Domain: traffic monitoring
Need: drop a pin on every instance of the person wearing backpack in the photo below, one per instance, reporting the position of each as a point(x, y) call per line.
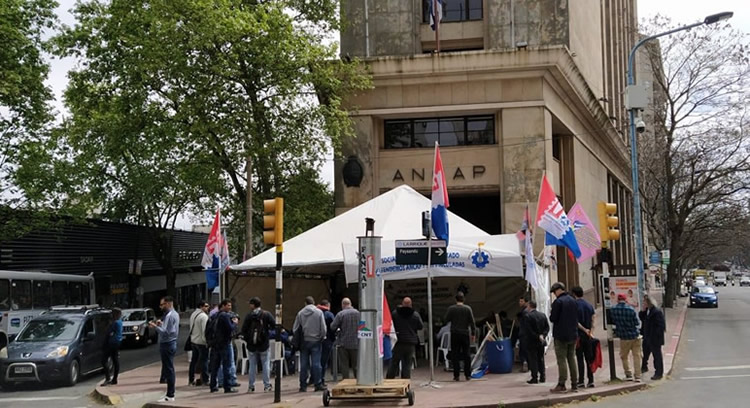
point(255, 329)
point(219, 337)
point(197, 335)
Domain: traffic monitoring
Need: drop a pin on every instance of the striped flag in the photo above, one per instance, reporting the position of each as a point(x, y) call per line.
point(440, 202)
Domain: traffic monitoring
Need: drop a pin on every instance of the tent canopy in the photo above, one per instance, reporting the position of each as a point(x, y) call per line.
point(397, 214)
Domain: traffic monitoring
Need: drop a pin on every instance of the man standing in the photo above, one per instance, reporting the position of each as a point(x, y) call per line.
point(325, 355)
point(564, 315)
point(407, 322)
point(654, 327)
point(584, 351)
point(626, 328)
point(313, 325)
point(523, 302)
point(346, 323)
point(535, 328)
point(461, 319)
point(255, 329)
point(168, 330)
point(197, 334)
point(224, 327)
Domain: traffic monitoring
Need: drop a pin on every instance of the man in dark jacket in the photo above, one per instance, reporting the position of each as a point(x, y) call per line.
point(585, 349)
point(535, 328)
point(654, 327)
point(325, 354)
point(523, 302)
point(564, 316)
point(220, 356)
point(256, 331)
point(461, 319)
point(407, 322)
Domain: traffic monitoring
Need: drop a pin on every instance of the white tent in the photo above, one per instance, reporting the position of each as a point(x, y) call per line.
point(397, 215)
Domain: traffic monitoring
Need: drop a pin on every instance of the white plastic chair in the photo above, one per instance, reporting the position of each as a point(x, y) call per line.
point(272, 357)
point(445, 347)
point(242, 356)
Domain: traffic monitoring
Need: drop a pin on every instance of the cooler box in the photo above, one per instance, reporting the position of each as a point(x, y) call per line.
point(500, 356)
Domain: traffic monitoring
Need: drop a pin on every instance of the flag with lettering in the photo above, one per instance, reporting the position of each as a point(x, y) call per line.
point(586, 233)
point(212, 253)
point(439, 199)
point(551, 217)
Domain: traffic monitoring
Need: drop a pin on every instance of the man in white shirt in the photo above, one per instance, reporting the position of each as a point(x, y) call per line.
point(197, 334)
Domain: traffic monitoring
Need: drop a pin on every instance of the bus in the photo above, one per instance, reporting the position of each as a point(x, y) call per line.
point(24, 295)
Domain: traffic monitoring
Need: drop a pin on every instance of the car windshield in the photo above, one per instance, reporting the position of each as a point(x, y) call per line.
point(49, 330)
point(705, 289)
point(134, 316)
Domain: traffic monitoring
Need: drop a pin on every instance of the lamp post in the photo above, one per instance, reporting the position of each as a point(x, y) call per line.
point(635, 97)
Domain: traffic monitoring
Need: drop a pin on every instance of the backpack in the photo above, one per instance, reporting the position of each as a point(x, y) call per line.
point(211, 330)
point(256, 334)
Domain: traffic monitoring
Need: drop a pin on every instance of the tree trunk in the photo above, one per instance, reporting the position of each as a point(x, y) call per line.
point(249, 209)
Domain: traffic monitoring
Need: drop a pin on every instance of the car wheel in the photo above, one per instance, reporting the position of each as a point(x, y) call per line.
point(74, 370)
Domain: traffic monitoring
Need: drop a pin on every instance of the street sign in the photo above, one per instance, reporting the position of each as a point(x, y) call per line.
point(414, 252)
point(665, 256)
point(654, 257)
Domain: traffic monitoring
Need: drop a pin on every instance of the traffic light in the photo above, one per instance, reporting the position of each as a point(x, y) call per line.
point(608, 223)
point(273, 221)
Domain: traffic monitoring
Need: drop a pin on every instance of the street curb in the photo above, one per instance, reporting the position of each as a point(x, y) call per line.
point(680, 329)
point(104, 398)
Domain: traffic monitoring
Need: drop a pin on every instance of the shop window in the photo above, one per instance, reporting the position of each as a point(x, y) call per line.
point(456, 131)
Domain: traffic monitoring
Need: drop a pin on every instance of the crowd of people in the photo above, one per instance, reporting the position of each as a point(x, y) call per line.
point(317, 332)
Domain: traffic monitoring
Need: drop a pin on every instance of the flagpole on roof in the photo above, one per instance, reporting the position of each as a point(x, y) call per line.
point(436, 18)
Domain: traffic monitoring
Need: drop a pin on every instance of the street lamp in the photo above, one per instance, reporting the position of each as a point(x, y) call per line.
point(635, 98)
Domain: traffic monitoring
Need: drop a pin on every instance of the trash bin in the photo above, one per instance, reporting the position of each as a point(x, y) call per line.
point(500, 356)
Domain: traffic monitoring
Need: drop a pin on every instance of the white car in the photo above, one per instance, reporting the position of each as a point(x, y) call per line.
point(135, 326)
point(745, 281)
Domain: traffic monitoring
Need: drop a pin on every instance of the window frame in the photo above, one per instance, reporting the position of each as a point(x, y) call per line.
point(464, 18)
point(462, 140)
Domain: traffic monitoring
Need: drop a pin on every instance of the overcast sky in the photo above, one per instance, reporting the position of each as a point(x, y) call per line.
point(680, 11)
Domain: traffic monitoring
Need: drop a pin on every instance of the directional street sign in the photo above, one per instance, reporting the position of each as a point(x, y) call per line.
point(414, 252)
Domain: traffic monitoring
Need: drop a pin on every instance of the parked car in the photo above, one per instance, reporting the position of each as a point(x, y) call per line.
point(704, 296)
point(57, 346)
point(135, 329)
point(745, 281)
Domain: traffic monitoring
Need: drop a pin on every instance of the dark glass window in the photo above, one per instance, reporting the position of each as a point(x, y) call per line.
point(4, 294)
point(59, 293)
point(76, 289)
point(21, 294)
point(41, 295)
point(456, 131)
point(556, 142)
point(455, 10)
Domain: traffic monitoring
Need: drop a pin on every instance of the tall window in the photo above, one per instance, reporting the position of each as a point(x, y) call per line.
point(455, 10)
point(455, 131)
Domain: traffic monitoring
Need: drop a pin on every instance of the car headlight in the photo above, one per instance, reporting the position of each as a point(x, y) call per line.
point(61, 351)
point(4, 352)
point(136, 327)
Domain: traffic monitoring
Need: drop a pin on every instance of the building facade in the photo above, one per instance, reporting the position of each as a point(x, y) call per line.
point(121, 257)
point(519, 88)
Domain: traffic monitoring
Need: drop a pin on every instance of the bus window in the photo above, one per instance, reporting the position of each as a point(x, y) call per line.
point(85, 294)
point(41, 295)
point(21, 294)
point(4, 294)
point(75, 293)
point(59, 293)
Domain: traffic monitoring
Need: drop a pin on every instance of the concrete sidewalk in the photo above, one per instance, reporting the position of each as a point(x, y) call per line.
point(140, 387)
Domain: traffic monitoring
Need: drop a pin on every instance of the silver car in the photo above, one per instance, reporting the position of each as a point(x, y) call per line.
point(135, 329)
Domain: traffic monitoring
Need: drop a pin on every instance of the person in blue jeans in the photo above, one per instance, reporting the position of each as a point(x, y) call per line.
point(310, 320)
point(327, 345)
point(112, 348)
point(221, 349)
point(256, 331)
point(168, 330)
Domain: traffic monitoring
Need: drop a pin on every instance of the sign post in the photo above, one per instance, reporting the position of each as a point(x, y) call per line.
point(415, 252)
point(369, 366)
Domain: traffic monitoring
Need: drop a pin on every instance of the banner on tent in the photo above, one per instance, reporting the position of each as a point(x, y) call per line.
point(482, 257)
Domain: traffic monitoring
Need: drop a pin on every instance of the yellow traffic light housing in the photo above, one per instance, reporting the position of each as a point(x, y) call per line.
point(273, 222)
point(608, 223)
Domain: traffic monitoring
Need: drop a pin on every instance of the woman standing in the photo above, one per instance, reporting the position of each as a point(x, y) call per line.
point(112, 347)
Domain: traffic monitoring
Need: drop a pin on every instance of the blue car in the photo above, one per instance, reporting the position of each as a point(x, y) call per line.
point(704, 296)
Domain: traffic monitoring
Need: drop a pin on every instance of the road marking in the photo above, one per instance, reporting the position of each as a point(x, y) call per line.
point(739, 367)
point(690, 339)
point(711, 377)
point(35, 399)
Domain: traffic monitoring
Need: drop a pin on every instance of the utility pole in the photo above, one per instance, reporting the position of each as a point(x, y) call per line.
point(273, 234)
point(608, 231)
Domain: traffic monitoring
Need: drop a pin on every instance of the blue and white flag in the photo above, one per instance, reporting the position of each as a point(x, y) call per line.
point(439, 199)
point(435, 20)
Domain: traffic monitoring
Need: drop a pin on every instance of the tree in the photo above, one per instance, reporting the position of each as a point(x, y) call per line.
point(24, 109)
point(695, 165)
point(236, 79)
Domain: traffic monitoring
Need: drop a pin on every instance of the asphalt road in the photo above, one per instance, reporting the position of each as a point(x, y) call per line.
point(43, 396)
point(713, 361)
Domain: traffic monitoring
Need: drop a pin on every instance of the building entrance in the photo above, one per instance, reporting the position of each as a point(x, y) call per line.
point(480, 210)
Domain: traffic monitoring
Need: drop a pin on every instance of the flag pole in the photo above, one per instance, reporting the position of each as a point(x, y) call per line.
point(435, 18)
point(430, 329)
